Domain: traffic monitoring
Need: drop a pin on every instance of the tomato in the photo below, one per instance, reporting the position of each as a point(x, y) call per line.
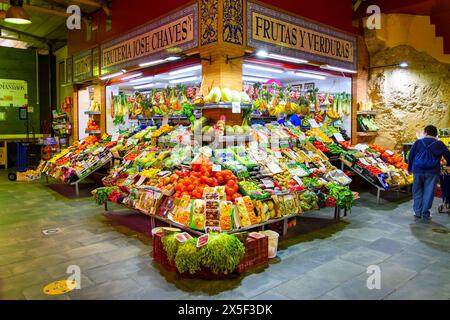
point(236, 188)
point(179, 187)
point(215, 182)
point(190, 187)
point(229, 191)
point(235, 196)
point(176, 194)
point(185, 193)
point(229, 198)
point(220, 179)
point(231, 183)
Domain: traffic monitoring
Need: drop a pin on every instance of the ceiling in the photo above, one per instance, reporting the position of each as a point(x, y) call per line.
point(48, 21)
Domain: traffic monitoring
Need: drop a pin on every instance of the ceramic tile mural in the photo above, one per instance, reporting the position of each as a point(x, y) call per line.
point(209, 21)
point(233, 21)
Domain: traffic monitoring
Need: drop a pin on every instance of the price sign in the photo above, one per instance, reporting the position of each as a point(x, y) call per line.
point(389, 152)
point(278, 155)
point(299, 181)
point(338, 137)
point(165, 121)
point(216, 168)
point(115, 137)
point(236, 107)
point(141, 180)
point(382, 166)
point(274, 168)
point(267, 183)
point(364, 161)
point(313, 123)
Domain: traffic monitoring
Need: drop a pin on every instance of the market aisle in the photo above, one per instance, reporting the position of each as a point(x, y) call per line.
point(329, 263)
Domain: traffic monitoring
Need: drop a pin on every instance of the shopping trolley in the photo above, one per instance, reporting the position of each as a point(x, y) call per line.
point(21, 161)
point(444, 179)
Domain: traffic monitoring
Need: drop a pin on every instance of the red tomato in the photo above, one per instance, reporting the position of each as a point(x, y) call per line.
point(220, 179)
point(231, 183)
point(229, 198)
point(229, 191)
point(235, 188)
point(190, 187)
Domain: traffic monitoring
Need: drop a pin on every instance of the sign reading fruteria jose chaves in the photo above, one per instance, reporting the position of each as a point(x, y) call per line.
point(178, 30)
point(285, 34)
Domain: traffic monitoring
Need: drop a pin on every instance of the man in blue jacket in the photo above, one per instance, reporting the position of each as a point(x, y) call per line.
point(424, 162)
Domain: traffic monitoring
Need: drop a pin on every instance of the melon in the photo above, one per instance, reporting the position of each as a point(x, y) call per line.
point(226, 95)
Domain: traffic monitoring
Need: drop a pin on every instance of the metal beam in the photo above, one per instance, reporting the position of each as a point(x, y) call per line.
point(26, 34)
point(91, 3)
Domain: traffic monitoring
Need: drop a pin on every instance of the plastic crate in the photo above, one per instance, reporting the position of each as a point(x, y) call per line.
point(256, 254)
point(159, 254)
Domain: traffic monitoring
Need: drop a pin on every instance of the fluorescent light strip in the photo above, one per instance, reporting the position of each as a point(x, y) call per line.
point(265, 54)
point(144, 86)
point(333, 68)
point(113, 75)
point(254, 79)
point(142, 79)
point(172, 58)
point(262, 68)
point(184, 70)
point(181, 80)
point(151, 63)
point(131, 77)
point(309, 75)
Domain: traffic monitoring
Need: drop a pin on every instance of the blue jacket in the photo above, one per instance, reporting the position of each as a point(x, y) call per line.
point(438, 149)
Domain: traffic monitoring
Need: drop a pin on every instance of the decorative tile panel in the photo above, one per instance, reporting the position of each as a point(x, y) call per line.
point(233, 21)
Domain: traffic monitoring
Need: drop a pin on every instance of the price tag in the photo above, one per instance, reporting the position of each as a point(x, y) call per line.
point(299, 181)
point(141, 180)
point(371, 159)
point(364, 161)
point(313, 123)
point(165, 121)
point(338, 137)
point(382, 166)
point(236, 107)
point(216, 168)
point(389, 152)
point(209, 229)
point(278, 155)
point(274, 168)
point(115, 137)
point(183, 237)
point(267, 183)
point(202, 241)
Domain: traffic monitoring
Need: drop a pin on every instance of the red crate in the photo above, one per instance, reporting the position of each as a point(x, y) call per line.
point(159, 254)
point(256, 254)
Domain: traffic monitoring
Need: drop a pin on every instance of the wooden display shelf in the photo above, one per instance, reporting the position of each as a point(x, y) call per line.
point(367, 134)
point(367, 112)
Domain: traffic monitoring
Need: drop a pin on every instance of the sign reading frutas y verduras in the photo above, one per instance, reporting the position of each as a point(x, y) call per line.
point(13, 93)
point(82, 66)
point(285, 34)
point(178, 30)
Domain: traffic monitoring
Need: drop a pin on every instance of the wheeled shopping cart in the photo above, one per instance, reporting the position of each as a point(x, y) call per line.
point(445, 189)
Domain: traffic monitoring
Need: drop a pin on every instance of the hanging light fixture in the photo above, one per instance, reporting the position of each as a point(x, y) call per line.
point(16, 14)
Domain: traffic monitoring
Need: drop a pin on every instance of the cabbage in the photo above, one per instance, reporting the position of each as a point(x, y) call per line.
point(236, 96)
point(245, 98)
point(246, 129)
point(215, 94)
point(238, 130)
point(229, 130)
point(226, 95)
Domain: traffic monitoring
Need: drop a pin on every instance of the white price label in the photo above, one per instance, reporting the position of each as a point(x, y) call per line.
point(338, 137)
point(267, 183)
point(364, 161)
point(389, 152)
point(299, 181)
point(216, 168)
point(115, 137)
point(278, 155)
point(236, 107)
point(313, 123)
point(274, 168)
point(371, 159)
point(141, 180)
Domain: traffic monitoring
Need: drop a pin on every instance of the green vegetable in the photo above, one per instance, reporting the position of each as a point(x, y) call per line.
point(170, 244)
point(343, 195)
point(223, 253)
point(101, 194)
point(189, 257)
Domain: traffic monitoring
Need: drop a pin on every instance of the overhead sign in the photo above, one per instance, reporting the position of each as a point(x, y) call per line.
point(178, 30)
point(285, 34)
point(82, 66)
point(13, 93)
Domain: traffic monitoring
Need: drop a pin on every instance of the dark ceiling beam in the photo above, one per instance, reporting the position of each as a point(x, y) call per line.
point(29, 35)
point(397, 6)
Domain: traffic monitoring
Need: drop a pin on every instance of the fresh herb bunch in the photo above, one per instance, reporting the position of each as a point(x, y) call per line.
point(101, 194)
point(223, 253)
point(188, 257)
point(170, 244)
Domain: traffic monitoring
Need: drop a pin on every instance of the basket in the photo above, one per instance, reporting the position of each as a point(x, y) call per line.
point(256, 254)
point(159, 254)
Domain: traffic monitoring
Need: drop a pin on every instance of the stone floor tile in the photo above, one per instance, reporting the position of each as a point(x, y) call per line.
point(388, 246)
point(365, 256)
point(337, 271)
point(305, 287)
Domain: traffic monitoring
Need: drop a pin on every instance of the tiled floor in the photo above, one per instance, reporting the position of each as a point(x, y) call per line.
point(328, 262)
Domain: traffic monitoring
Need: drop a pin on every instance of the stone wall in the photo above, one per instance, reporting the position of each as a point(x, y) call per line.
point(408, 99)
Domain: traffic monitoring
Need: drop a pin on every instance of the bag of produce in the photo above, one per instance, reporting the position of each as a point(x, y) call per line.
point(198, 218)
